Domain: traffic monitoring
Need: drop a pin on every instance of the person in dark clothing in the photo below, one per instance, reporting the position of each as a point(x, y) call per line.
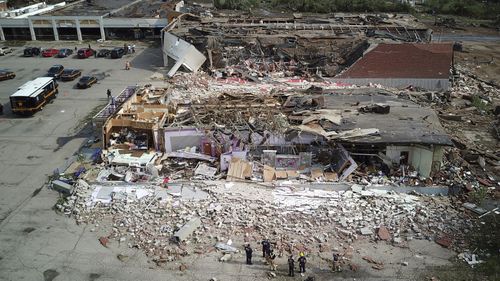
point(336, 265)
point(266, 247)
point(302, 263)
point(248, 252)
point(108, 93)
point(291, 266)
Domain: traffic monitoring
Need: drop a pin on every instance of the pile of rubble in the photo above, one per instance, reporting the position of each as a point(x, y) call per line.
point(184, 219)
point(469, 112)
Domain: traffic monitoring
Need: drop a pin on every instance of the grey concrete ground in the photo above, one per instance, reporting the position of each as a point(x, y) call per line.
point(33, 238)
point(38, 244)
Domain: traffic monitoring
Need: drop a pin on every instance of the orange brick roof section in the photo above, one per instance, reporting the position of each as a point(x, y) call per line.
point(404, 61)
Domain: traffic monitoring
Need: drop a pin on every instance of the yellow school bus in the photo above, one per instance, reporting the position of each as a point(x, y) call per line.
point(33, 95)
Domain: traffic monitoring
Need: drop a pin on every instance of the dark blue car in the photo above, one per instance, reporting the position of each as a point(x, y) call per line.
point(64, 53)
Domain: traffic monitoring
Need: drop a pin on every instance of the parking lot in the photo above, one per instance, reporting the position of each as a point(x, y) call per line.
point(32, 237)
point(61, 118)
point(109, 72)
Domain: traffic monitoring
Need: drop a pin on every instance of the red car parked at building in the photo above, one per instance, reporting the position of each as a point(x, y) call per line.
point(85, 53)
point(50, 52)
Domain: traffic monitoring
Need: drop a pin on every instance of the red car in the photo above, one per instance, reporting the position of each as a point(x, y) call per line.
point(50, 52)
point(85, 53)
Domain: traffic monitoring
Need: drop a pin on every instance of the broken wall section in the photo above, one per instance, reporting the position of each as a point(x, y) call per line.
point(182, 52)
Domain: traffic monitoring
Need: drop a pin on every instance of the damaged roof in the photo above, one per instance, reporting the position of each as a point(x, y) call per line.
point(406, 123)
point(404, 61)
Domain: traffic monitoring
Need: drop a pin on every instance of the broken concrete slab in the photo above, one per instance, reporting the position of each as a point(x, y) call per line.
point(62, 187)
point(225, 258)
point(128, 158)
point(473, 207)
point(187, 229)
point(366, 231)
point(356, 188)
point(225, 247)
point(184, 191)
point(205, 170)
point(188, 155)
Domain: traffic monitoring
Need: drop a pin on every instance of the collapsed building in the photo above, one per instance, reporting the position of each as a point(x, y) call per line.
point(303, 132)
point(256, 47)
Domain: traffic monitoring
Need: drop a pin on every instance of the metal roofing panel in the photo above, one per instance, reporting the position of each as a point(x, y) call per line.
point(407, 122)
point(409, 60)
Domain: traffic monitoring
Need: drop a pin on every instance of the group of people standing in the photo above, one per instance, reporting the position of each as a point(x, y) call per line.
point(269, 255)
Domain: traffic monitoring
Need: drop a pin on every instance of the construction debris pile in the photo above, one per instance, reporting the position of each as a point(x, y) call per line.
point(255, 48)
point(193, 218)
point(267, 146)
point(470, 115)
point(284, 57)
point(264, 145)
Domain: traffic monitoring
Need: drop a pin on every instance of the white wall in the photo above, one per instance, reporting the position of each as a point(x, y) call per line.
point(421, 158)
point(182, 138)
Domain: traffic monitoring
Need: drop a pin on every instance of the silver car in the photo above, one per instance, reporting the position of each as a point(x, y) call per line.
point(5, 50)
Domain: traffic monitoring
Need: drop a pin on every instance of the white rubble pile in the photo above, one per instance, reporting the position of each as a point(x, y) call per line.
point(306, 219)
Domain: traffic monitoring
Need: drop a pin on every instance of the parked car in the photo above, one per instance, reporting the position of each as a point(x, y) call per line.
point(31, 52)
point(117, 53)
point(103, 53)
point(85, 53)
point(86, 82)
point(5, 50)
point(70, 74)
point(49, 52)
point(55, 71)
point(5, 75)
point(65, 53)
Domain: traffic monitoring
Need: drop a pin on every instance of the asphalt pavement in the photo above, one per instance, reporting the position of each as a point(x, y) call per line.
point(35, 242)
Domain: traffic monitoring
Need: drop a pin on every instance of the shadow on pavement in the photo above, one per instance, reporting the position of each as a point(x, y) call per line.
point(150, 59)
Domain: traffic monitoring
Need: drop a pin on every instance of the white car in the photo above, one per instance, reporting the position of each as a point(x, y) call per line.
point(5, 50)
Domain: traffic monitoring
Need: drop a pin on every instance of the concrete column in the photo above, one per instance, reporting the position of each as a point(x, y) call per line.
point(2, 36)
point(54, 28)
point(78, 30)
point(101, 27)
point(32, 30)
